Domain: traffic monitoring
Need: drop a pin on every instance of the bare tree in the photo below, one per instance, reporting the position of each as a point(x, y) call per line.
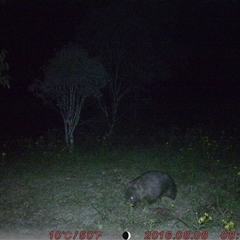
point(115, 87)
point(69, 78)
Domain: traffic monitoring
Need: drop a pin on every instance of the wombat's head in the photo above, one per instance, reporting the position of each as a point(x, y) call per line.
point(134, 193)
point(172, 192)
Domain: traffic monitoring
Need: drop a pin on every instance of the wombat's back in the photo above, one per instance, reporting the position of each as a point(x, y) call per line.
point(150, 186)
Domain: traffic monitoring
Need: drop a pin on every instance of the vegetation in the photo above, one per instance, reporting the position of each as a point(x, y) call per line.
point(86, 189)
point(69, 79)
point(113, 75)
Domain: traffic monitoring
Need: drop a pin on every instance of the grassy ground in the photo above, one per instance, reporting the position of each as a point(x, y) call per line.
point(44, 188)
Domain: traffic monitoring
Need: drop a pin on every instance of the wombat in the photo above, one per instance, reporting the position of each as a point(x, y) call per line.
point(150, 186)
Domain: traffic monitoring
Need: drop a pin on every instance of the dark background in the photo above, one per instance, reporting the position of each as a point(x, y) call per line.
point(184, 58)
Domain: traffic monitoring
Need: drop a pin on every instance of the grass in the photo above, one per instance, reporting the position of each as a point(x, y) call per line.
point(45, 187)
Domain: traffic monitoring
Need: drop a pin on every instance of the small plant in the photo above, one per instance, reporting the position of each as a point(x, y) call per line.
point(131, 213)
point(199, 223)
point(203, 221)
point(229, 225)
point(151, 224)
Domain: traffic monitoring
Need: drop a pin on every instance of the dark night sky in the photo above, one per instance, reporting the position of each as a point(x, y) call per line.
point(204, 78)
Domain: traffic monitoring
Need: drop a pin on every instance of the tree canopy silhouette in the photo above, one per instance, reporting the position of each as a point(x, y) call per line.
point(69, 78)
